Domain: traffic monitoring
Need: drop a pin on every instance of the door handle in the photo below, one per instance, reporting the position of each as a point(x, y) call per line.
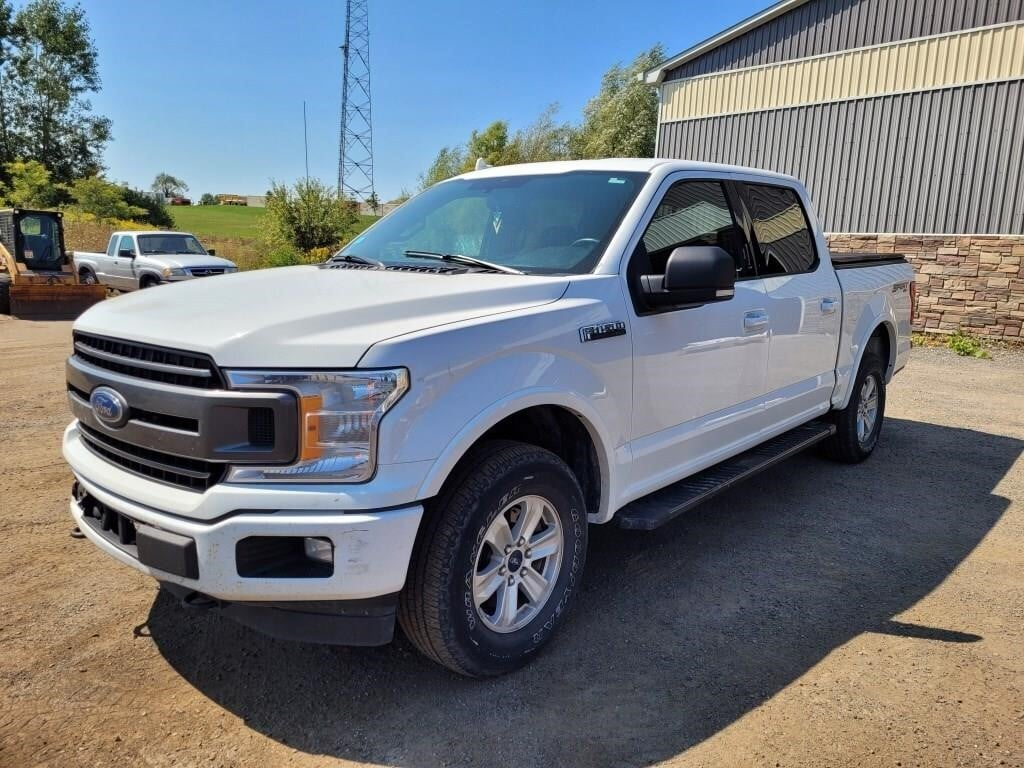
point(755, 320)
point(828, 305)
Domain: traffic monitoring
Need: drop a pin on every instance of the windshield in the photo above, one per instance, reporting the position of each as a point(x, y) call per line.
point(540, 224)
point(170, 244)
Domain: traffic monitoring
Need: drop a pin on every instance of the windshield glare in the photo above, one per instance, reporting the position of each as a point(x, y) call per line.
point(539, 224)
point(170, 244)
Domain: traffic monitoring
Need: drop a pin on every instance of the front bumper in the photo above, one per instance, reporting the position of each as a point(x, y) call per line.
point(371, 549)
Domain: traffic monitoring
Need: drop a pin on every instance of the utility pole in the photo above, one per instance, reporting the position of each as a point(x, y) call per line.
point(355, 141)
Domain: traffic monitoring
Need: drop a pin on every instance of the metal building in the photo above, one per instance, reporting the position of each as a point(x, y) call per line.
point(903, 117)
point(899, 115)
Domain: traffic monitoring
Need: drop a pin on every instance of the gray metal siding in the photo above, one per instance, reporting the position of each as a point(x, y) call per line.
point(827, 26)
point(949, 161)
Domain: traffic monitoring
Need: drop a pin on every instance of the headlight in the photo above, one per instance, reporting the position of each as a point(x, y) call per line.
point(229, 270)
point(173, 272)
point(338, 416)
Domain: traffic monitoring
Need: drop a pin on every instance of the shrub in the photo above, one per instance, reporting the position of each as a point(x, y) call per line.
point(155, 213)
point(103, 200)
point(305, 216)
point(966, 345)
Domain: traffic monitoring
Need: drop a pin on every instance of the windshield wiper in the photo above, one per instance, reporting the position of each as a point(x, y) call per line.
point(351, 258)
point(459, 258)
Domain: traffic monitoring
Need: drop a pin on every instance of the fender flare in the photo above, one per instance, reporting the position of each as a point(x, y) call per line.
point(890, 329)
point(501, 409)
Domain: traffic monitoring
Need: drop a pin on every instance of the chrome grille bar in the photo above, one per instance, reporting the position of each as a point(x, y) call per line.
point(134, 362)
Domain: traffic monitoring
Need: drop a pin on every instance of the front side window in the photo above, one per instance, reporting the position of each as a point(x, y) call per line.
point(126, 245)
point(784, 242)
point(177, 244)
point(693, 213)
point(556, 223)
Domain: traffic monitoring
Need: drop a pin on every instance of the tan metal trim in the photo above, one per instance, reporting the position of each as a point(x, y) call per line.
point(981, 55)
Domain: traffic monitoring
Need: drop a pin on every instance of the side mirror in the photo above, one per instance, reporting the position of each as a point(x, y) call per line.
point(695, 274)
point(211, 251)
point(126, 253)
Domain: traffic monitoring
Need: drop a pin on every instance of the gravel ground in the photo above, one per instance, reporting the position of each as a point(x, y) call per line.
point(821, 615)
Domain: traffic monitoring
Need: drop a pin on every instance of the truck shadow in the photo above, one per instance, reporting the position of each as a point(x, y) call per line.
point(676, 634)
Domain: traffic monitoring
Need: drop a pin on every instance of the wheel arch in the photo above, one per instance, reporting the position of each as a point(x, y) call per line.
point(883, 332)
point(554, 421)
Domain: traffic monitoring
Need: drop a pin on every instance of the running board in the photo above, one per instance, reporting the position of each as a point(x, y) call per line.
point(658, 508)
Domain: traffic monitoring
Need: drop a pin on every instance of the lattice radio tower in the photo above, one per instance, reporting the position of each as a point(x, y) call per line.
point(355, 142)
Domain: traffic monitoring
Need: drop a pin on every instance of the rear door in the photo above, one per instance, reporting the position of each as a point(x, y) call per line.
point(699, 372)
point(803, 302)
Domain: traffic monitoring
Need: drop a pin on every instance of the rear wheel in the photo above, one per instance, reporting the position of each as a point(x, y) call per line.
point(859, 424)
point(499, 561)
point(87, 277)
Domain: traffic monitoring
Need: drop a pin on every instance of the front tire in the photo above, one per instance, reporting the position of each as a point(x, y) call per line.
point(499, 561)
point(859, 424)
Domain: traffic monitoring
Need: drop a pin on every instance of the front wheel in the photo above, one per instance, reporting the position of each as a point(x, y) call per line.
point(859, 424)
point(499, 562)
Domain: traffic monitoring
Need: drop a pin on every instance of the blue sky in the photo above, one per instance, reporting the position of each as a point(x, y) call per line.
point(212, 90)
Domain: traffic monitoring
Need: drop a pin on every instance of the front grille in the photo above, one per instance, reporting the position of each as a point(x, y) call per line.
point(191, 474)
point(158, 419)
point(206, 271)
point(145, 361)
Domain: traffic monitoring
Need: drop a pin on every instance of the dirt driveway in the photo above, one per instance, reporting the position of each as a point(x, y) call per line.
point(821, 615)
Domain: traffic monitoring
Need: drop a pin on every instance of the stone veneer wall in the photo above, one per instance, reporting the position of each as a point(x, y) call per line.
point(973, 283)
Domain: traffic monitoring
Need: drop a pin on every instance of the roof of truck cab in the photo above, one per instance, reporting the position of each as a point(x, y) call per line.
point(150, 232)
point(618, 165)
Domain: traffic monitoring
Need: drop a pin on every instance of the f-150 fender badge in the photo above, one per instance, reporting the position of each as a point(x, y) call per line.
point(602, 331)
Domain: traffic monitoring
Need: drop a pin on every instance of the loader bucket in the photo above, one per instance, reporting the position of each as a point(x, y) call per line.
point(60, 301)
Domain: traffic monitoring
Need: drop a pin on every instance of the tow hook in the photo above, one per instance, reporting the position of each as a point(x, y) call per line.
point(197, 601)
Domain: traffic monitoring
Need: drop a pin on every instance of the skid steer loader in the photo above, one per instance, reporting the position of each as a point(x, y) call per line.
point(37, 279)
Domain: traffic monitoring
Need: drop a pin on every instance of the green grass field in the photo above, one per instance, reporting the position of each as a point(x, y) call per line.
point(231, 221)
point(234, 221)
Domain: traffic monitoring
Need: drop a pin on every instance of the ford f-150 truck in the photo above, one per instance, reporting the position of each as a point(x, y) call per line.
point(424, 427)
point(144, 259)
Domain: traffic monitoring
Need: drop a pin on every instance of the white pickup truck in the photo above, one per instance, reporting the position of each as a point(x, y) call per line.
point(145, 259)
point(423, 427)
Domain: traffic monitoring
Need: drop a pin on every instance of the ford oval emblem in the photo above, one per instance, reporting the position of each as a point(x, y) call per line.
point(109, 406)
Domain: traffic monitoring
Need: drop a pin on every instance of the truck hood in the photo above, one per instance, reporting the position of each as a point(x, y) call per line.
point(307, 316)
point(185, 260)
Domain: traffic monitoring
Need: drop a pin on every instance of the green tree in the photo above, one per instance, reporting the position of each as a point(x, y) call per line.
point(102, 199)
point(374, 202)
point(621, 120)
point(448, 162)
point(28, 185)
point(47, 70)
point(305, 216)
point(207, 199)
point(168, 186)
point(544, 139)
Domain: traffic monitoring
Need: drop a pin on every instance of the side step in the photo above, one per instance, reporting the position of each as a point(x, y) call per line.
point(658, 508)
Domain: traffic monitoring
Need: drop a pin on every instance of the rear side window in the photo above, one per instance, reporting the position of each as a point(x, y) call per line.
point(784, 242)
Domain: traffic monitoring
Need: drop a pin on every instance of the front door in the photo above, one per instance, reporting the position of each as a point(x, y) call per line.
point(124, 267)
point(699, 372)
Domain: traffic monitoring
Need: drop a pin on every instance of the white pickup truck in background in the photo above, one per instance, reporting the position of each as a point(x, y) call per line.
point(423, 427)
point(144, 259)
